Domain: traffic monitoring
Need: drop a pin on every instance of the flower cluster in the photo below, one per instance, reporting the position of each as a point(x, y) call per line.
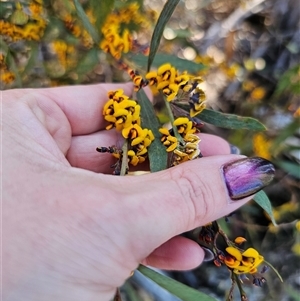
point(189, 151)
point(65, 54)
point(241, 262)
point(237, 260)
point(75, 27)
point(189, 148)
point(170, 82)
point(123, 114)
point(120, 111)
point(117, 39)
point(26, 23)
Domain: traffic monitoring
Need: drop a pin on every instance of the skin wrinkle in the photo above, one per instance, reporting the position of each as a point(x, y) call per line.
point(92, 115)
point(138, 214)
point(182, 180)
point(55, 122)
point(29, 125)
point(113, 241)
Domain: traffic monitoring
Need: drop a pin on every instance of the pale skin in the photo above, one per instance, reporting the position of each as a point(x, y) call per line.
point(70, 229)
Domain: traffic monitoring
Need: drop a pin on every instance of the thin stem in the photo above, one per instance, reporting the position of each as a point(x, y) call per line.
point(224, 236)
point(272, 267)
point(171, 117)
point(239, 284)
point(233, 282)
point(124, 166)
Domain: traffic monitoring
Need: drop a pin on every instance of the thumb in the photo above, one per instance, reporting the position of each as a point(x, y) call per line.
point(158, 206)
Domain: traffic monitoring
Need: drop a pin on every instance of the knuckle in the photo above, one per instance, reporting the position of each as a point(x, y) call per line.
point(198, 195)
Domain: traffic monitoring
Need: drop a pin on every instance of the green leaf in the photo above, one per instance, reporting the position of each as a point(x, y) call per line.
point(178, 63)
point(131, 292)
point(32, 59)
point(176, 288)
point(87, 63)
point(101, 9)
point(292, 168)
point(157, 154)
point(263, 201)
point(230, 121)
point(3, 46)
point(86, 22)
point(163, 19)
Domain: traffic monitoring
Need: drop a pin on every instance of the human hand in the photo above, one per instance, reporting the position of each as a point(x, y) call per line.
point(72, 232)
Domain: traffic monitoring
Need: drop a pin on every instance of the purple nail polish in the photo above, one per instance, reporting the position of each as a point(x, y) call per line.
point(247, 176)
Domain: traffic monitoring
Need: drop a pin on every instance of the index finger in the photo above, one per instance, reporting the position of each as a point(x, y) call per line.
point(83, 105)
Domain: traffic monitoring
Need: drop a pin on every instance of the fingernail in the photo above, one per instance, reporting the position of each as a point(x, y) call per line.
point(247, 176)
point(208, 254)
point(234, 150)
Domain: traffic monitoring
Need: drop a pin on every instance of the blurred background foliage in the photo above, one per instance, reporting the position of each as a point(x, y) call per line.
point(248, 54)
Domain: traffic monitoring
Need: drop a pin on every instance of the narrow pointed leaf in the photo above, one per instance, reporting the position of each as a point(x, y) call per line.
point(176, 288)
point(32, 59)
point(231, 121)
point(87, 63)
point(263, 201)
point(228, 121)
point(178, 63)
point(86, 22)
point(163, 19)
point(157, 154)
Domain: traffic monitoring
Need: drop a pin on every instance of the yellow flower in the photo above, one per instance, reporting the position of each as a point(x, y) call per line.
point(133, 132)
point(296, 248)
point(184, 126)
point(298, 226)
point(261, 146)
point(133, 158)
point(246, 262)
point(152, 77)
point(179, 157)
point(239, 240)
point(258, 93)
point(7, 77)
point(168, 140)
point(120, 111)
point(171, 91)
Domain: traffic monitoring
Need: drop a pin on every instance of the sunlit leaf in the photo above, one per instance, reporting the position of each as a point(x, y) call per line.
point(178, 63)
point(163, 19)
point(176, 288)
point(86, 22)
point(263, 201)
point(157, 154)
